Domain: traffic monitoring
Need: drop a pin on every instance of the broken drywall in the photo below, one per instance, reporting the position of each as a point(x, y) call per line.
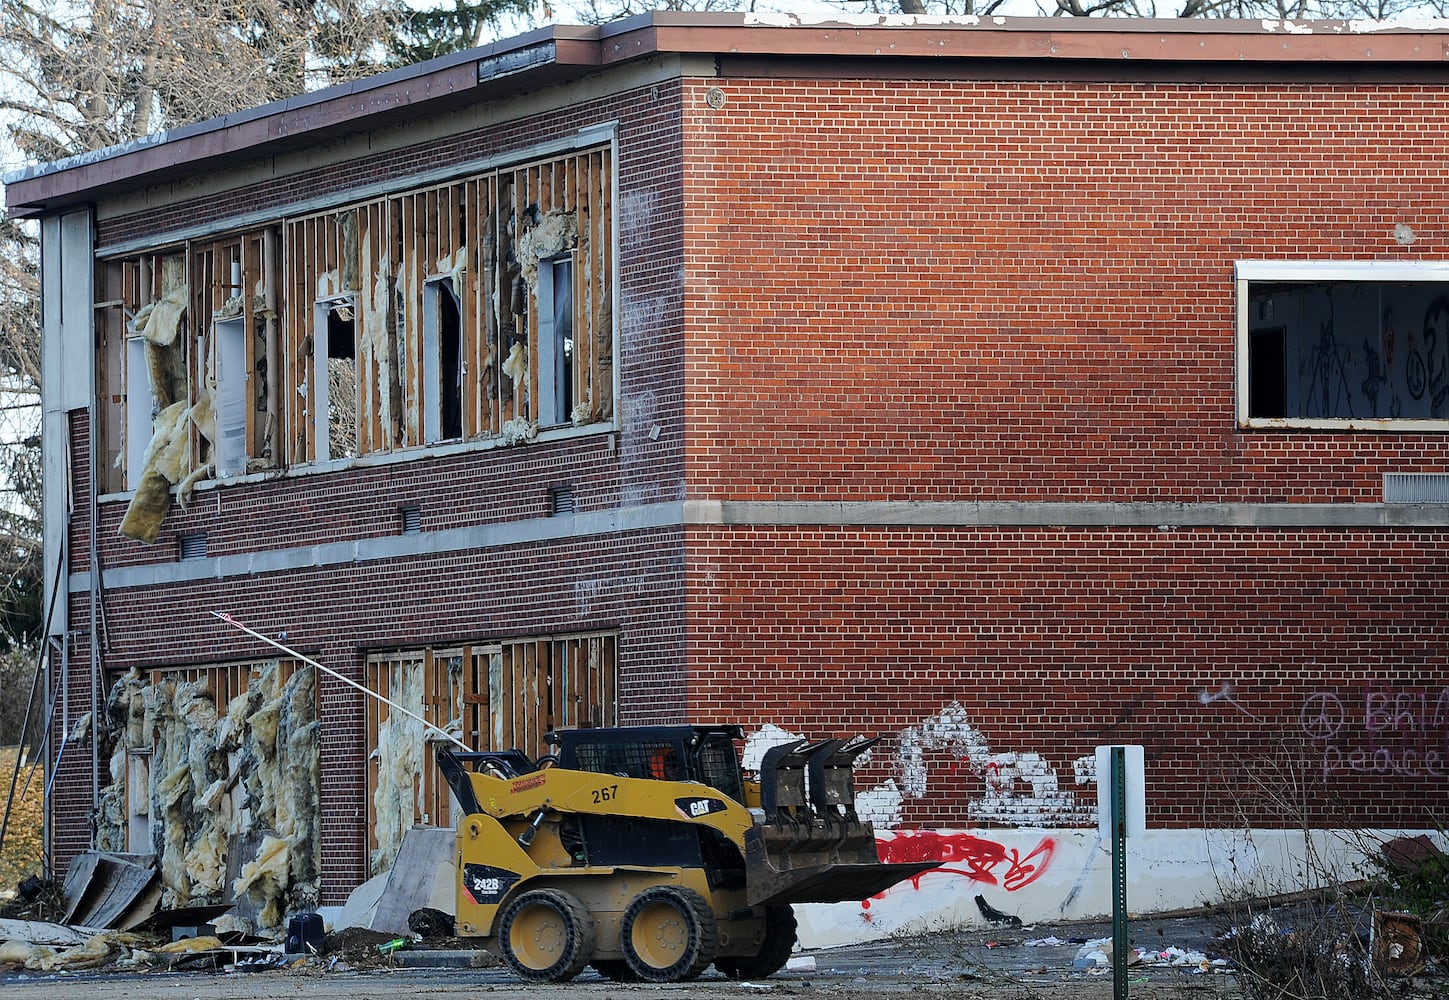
point(209, 776)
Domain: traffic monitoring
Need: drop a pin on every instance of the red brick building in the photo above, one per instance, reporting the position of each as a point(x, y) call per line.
point(1008, 388)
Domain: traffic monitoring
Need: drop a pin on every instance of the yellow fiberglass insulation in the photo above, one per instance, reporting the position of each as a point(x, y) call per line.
point(160, 321)
point(377, 343)
point(399, 761)
point(215, 781)
point(168, 460)
point(557, 232)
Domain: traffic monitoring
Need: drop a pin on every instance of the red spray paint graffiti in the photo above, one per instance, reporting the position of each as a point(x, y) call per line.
point(976, 858)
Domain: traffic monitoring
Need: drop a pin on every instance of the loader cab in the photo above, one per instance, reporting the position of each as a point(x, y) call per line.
point(705, 754)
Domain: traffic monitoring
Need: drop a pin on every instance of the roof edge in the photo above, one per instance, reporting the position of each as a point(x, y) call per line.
point(562, 52)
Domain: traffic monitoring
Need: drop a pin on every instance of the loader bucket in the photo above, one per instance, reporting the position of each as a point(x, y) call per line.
point(812, 848)
point(826, 882)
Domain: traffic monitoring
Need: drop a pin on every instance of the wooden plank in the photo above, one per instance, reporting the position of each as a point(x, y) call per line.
point(428, 779)
point(468, 325)
point(611, 682)
point(538, 700)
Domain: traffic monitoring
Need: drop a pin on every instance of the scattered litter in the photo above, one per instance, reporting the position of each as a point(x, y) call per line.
point(260, 963)
point(801, 963)
point(1097, 954)
point(1046, 942)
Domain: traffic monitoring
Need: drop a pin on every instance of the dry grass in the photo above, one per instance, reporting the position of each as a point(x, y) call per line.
point(21, 854)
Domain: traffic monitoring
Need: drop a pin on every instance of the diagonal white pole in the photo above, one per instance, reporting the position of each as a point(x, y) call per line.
point(345, 680)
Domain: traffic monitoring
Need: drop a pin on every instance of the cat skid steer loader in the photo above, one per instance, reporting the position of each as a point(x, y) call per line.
point(644, 851)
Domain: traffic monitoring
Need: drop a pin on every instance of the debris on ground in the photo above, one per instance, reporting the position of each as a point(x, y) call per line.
point(1096, 955)
point(356, 948)
point(431, 924)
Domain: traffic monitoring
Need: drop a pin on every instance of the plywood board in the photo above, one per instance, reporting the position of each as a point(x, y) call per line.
point(411, 883)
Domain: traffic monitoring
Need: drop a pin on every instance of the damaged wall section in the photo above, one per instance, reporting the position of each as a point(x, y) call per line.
point(494, 696)
point(452, 332)
point(215, 770)
point(184, 338)
point(478, 309)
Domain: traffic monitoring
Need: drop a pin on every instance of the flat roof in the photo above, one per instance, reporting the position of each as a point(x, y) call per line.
point(777, 44)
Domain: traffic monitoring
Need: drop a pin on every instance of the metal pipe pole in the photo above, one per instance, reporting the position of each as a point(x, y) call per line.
point(345, 680)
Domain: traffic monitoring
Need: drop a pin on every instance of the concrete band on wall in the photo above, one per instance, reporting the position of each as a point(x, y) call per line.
point(1160, 516)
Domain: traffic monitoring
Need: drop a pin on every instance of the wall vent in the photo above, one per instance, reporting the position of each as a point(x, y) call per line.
point(1416, 487)
point(560, 500)
point(191, 547)
point(411, 519)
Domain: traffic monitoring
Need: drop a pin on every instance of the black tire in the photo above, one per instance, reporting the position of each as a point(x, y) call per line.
point(546, 936)
point(615, 969)
point(668, 935)
point(774, 950)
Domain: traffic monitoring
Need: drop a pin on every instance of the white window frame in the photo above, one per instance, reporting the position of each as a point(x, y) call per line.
point(232, 377)
point(1249, 272)
point(140, 410)
point(554, 368)
point(320, 417)
point(433, 357)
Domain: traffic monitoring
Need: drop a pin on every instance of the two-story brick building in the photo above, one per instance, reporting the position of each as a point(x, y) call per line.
point(1006, 387)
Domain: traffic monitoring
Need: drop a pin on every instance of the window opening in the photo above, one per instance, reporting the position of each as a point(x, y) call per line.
point(442, 362)
point(495, 696)
point(1331, 344)
point(336, 368)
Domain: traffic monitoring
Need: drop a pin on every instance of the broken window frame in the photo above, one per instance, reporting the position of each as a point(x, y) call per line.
point(444, 369)
point(1343, 373)
point(336, 413)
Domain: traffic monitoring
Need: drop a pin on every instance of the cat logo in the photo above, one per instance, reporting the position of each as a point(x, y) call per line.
point(697, 807)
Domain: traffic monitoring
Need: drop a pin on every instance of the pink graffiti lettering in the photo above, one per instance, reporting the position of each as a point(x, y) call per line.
point(980, 858)
point(1384, 760)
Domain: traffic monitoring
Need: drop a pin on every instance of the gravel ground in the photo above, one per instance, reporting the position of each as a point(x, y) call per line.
point(961, 964)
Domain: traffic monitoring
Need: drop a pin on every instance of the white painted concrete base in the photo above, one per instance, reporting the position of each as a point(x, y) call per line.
point(1055, 875)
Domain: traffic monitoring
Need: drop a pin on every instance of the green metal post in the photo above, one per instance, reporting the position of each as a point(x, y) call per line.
point(1119, 873)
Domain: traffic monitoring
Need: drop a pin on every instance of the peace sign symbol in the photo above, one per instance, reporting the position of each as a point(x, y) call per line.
point(1322, 716)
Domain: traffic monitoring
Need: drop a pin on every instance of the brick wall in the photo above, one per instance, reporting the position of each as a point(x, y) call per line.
point(627, 581)
point(1024, 290)
point(1055, 641)
point(906, 290)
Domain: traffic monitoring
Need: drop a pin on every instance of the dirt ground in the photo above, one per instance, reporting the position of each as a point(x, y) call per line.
point(998, 964)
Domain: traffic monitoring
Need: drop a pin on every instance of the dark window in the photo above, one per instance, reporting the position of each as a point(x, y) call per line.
point(1348, 350)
